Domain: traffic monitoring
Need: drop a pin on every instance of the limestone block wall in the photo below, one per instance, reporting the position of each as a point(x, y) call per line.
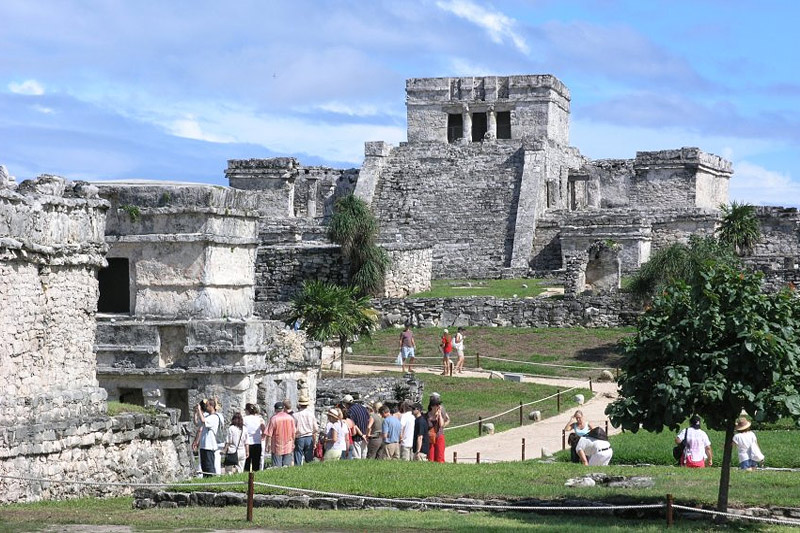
point(281, 269)
point(459, 199)
point(546, 251)
point(191, 248)
point(595, 311)
point(409, 271)
point(366, 390)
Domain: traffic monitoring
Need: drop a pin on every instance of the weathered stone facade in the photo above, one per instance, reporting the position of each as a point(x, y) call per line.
point(188, 331)
point(53, 421)
point(409, 271)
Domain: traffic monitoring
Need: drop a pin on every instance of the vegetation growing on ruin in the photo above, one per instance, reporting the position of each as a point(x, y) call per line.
point(355, 229)
point(118, 408)
point(133, 212)
point(499, 288)
point(739, 227)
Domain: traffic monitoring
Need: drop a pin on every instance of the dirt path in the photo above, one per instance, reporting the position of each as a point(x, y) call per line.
point(540, 436)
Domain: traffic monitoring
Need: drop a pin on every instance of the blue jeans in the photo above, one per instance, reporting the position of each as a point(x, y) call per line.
point(208, 462)
point(303, 450)
point(744, 465)
point(282, 460)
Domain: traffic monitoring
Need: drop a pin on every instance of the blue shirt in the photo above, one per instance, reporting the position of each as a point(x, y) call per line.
point(391, 428)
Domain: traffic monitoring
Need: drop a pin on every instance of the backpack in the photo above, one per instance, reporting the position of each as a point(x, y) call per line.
point(680, 449)
point(219, 433)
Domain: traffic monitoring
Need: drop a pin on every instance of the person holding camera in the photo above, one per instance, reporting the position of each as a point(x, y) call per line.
point(211, 422)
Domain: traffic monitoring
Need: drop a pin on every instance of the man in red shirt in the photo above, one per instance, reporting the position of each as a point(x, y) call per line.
point(446, 347)
point(280, 436)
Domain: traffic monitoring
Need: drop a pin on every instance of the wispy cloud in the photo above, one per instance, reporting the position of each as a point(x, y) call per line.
point(757, 185)
point(27, 87)
point(499, 26)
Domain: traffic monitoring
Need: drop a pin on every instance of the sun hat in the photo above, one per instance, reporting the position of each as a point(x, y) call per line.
point(334, 412)
point(347, 399)
point(435, 395)
point(742, 424)
point(303, 400)
point(598, 433)
point(377, 405)
point(446, 331)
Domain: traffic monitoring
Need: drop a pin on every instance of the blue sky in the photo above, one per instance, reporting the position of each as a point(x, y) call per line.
point(171, 90)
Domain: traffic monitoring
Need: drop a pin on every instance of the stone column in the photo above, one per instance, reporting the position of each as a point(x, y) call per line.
point(467, 124)
point(491, 123)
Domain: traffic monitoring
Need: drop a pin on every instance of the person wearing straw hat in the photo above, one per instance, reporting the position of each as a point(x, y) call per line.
point(750, 455)
point(306, 429)
point(335, 435)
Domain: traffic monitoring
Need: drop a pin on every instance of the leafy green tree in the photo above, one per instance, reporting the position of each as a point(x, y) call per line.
point(739, 228)
point(355, 229)
point(678, 262)
point(327, 311)
point(713, 348)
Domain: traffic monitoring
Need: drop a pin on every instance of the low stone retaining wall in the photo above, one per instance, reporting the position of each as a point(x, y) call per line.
point(591, 312)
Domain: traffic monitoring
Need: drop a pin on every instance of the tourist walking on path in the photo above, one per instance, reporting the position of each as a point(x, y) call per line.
point(376, 449)
point(212, 423)
point(458, 346)
point(334, 441)
point(421, 438)
point(280, 436)
point(357, 413)
point(698, 446)
point(581, 427)
point(750, 455)
point(594, 449)
point(438, 419)
point(236, 444)
point(446, 348)
point(306, 428)
point(407, 348)
point(255, 429)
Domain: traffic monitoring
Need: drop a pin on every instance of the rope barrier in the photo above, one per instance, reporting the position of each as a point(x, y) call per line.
point(782, 521)
point(515, 408)
point(547, 364)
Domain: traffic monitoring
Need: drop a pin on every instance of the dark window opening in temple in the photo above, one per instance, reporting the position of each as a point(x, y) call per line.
point(455, 127)
point(114, 286)
point(131, 396)
point(504, 124)
point(178, 399)
point(479, 126)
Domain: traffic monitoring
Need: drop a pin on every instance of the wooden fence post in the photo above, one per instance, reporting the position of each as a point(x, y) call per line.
point(670, 518)
point(480, 426)
point(606, 426)
point(590, 385)
point(558, 401)
point(250, 490)
point(477, 360)
point(563, 440)
point(520, 412)
point(523, 449)
point(455, 457)
point(477, 458)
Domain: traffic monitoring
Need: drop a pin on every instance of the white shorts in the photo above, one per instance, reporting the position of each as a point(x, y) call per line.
point(407, 351)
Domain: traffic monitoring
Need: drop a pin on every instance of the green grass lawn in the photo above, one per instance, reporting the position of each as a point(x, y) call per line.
point(530, 479)
point(465, 399)
point(118, 511)
point(589, 349)
point(779, 447)
point(499, 288)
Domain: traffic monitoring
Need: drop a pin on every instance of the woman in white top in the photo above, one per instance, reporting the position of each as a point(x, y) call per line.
point(698, 448)
point(255, 431)
point(747, 445)
point(335, 436)
point(236, 443)
point(458, 346)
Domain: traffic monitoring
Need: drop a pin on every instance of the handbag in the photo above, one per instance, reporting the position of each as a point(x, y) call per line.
point(319, 450)
point(232, 458)
point(680, 449)
point(755, 453)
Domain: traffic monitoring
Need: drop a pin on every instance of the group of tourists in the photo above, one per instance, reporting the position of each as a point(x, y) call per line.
point(588, 444)
point(447, 345)
point(353, 431)
point(376, 431)
point(693, 447)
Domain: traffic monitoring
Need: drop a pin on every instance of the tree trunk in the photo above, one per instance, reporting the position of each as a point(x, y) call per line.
point(343, 346)
point(725, 475)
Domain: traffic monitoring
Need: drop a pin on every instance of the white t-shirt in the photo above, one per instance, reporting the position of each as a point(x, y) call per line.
point(598, 452)
point(458, 342)
point(252, 425)
point(744, 443)
point(237, 440)
point(208, 438)
point(341, 441)
point(695, 444)
point(407, 430)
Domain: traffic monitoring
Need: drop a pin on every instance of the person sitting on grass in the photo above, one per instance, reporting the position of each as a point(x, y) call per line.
point(594, 449)
point(579, 426)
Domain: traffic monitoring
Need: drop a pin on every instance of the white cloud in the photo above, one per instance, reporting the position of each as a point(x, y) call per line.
point(27, 87)
point(357, 110)
point(44, 110)
point(757, 185)
point(498, 25)
point(189, 128)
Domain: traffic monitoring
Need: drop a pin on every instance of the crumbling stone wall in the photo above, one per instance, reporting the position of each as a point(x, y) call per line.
point(52, 412)
point(409, 271)
point(282, 269)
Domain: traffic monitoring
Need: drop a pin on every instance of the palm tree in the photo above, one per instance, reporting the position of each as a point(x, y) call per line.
point(678, 262)
point(739, 228)
point(327, 311)
point(354, 227)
